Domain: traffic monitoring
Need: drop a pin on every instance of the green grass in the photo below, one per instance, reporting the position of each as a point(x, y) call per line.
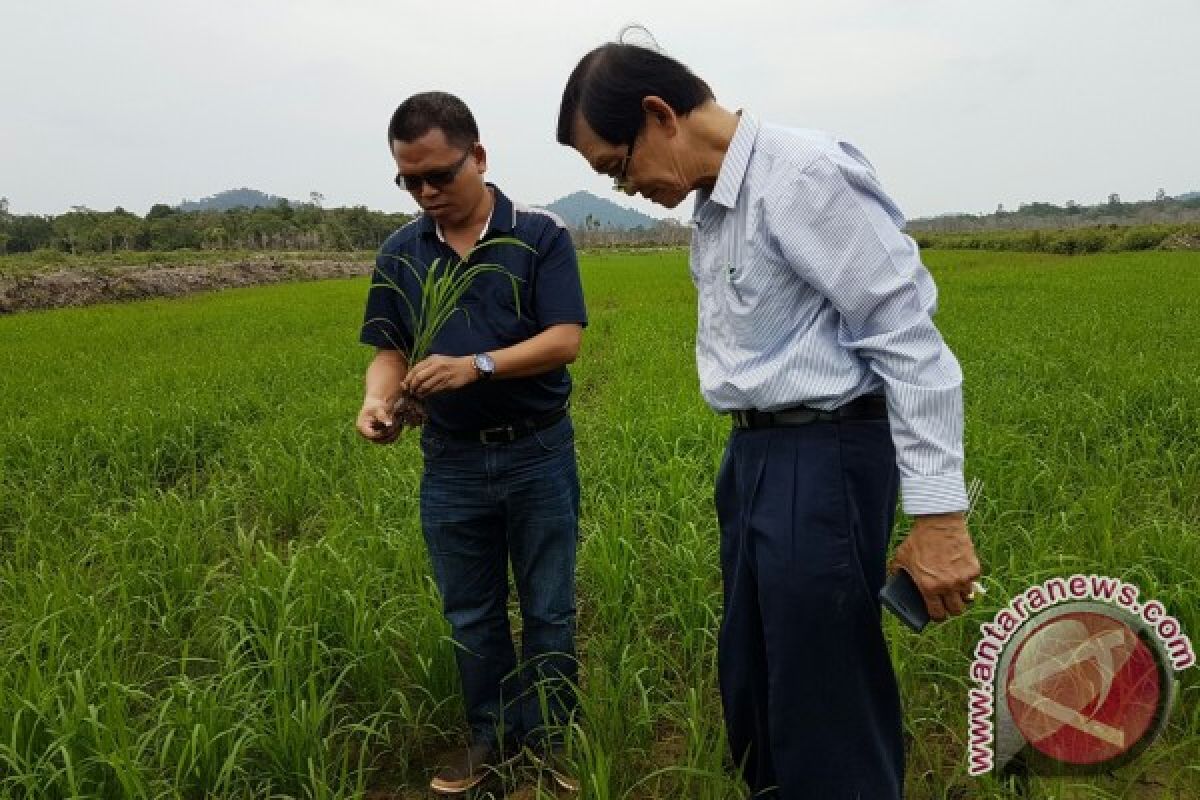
point(210, 587)
point(1068, 241)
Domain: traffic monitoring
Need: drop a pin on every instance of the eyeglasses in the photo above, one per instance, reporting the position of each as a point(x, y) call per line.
point(621, 180)
point(437, 178)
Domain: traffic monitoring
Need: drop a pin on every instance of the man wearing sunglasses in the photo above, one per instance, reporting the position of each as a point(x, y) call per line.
point(816, 336)
point(499, 481)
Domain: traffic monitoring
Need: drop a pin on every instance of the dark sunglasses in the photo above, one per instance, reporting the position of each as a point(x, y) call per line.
point(437, 178)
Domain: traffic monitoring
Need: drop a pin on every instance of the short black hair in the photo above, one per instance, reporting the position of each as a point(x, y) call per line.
point(423, 112)
point(609, 83)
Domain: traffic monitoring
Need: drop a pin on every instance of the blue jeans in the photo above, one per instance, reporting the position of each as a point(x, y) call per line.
point(483, 505)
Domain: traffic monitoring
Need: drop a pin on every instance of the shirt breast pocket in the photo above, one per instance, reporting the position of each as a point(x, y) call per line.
point(750, 291)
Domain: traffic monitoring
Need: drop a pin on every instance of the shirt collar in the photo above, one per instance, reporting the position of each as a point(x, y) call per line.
point(503, 218)
point(735, 162)
point(437, 227)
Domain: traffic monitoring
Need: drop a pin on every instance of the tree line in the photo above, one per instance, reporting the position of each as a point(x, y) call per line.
point(285, 226)
point(1037, 227)
point(663, 233)
point(1162, 210)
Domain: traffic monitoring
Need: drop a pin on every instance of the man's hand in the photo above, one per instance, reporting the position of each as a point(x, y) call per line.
point(376, 423)
point(440, 374)
point(940, 558)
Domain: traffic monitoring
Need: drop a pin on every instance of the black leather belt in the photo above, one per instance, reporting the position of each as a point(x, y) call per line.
point(508, 433)
point(869, 406)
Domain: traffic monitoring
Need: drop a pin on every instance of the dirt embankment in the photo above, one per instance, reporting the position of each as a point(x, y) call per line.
point(86, 286)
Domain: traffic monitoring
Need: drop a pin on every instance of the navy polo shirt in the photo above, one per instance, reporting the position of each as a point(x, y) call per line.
point(549, 292)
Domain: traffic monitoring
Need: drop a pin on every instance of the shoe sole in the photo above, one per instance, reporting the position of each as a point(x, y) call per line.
point(454, 790)
point(463, 788)
point(563, 781)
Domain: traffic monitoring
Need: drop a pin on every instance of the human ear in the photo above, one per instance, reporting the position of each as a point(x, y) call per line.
point(660, 112)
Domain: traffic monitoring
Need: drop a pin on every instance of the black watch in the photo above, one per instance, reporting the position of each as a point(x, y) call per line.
point(484, 365)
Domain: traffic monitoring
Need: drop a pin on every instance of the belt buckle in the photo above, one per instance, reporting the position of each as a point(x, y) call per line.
point(741, 419)
point(509, 434)
point(803, 415)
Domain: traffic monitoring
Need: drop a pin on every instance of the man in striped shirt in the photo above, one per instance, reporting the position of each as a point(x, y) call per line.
point(815, 334)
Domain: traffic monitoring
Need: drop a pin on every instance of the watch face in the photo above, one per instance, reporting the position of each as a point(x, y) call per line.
point(485, 364)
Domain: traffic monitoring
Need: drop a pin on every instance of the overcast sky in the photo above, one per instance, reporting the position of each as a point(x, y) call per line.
point(960, 105)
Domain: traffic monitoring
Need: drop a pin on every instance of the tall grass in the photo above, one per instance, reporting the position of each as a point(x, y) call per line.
point(209, 587)
point(1068, 241)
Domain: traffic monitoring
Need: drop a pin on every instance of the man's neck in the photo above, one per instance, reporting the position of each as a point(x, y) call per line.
point(712, 129)
point(474, 222)
point(463, 237)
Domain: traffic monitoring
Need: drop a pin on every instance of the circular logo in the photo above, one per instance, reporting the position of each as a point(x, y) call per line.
point(1085, 689)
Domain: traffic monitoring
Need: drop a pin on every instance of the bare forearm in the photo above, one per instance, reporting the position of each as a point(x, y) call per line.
point(385, 376)
point(554, 347)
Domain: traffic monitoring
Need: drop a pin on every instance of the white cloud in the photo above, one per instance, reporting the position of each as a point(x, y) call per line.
point(959, 105)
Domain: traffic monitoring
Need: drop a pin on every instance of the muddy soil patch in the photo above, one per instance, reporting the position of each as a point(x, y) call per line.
point(86, 286)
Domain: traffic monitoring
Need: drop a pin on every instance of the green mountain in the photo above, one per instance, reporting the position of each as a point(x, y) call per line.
point(576, 209)
point(232, 198)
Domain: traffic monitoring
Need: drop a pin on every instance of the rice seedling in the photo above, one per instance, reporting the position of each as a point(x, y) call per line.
point(209, 587)
point(441, 285)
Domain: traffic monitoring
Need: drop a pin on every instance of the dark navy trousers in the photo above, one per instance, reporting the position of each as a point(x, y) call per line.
point(811, 704)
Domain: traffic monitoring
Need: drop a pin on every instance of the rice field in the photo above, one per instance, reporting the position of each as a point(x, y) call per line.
point(210, 587)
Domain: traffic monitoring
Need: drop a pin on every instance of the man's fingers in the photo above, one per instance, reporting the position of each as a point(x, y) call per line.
point(417, 382)
point(430, 382)
point(427, 378)
point(423, 386)
point(416, 376)
point(976, 570)
point(385, 433)
point(965, 583)
point(953, 603)
point(935, 607)
point(374, 431)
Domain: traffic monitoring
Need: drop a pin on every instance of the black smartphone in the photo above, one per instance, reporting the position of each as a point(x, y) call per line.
point(901, 596)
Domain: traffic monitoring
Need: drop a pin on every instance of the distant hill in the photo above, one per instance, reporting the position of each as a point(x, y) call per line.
point(1189, 196)
point(575, 209)
point(232, 198)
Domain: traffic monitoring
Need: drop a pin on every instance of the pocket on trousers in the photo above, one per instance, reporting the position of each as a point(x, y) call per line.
point(432, 446)
point(557, 437)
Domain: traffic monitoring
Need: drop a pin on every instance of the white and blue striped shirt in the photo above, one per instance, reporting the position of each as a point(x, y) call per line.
point(810, 293)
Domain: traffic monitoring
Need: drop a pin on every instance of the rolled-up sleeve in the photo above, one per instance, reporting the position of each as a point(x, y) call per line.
point(832, 222)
